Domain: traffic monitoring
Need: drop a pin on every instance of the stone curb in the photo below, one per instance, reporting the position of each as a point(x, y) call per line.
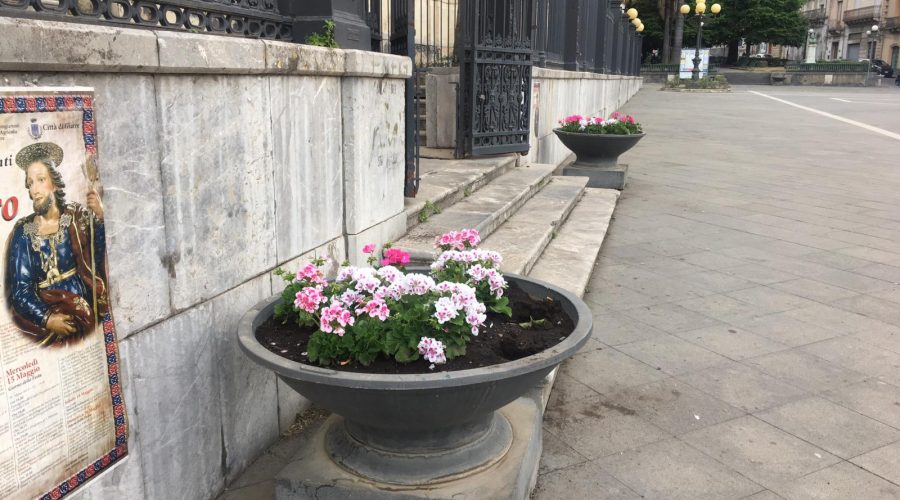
point(40, 45)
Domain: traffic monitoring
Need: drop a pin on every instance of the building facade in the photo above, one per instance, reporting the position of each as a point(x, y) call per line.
point(846, 28)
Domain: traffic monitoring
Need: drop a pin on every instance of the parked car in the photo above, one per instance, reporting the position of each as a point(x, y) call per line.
point(882, 68)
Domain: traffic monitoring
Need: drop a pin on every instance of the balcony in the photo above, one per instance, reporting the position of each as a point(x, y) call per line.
point(892, 23)
point(815, 16)
point(862, 15)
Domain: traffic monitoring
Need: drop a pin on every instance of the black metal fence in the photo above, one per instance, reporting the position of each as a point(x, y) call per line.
point(247, 18)
point(586, 35)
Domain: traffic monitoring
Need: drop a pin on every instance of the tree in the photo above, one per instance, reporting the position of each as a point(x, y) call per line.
point(756, 21)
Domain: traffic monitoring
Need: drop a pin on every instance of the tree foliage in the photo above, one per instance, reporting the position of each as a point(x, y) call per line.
point(756, 21)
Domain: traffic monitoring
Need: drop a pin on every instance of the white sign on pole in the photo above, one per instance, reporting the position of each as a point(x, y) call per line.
point(687, 63)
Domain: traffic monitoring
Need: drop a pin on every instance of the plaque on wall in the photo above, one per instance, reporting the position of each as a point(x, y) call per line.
point(62, 416)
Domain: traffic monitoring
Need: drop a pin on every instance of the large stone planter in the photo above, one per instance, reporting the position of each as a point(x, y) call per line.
point(597, 157)
point(419, 433)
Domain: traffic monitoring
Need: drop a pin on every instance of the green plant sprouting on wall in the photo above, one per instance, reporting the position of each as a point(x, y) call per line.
point(325, 39)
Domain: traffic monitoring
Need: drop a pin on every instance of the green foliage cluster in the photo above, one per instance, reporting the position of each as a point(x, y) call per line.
point(707, 82)
point(325, 39)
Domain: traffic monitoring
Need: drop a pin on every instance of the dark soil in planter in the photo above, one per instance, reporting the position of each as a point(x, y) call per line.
point(503, 339)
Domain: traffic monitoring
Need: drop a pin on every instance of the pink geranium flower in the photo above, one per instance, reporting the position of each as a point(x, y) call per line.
point(369, 248)
point(395, 256)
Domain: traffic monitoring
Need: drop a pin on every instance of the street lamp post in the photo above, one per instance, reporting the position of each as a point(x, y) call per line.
point(870, 52)
point(699, 10)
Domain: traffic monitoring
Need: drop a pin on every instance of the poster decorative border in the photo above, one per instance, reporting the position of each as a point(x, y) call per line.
point(49, 103)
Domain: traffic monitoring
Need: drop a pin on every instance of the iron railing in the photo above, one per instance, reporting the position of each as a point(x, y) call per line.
point(436, 29)
point(891, 23)
point(586, 36)
point(826, 67)
point(815, 16)
point(247, 18)
point(670, 69)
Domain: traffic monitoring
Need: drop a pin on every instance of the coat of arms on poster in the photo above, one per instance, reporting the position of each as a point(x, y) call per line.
point(62, 417)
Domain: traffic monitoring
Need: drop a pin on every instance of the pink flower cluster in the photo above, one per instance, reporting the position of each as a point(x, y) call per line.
point(497, 283)
point(622, 117)
point(334, 318)
point(584, 121)
point(474, 256)
point(395, 256)
point(463, 300)
point(458, 240)
point(432, 350)
point(309, 298)
point(312, 273)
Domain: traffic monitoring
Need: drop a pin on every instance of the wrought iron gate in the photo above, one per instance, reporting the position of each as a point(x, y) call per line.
point(493, 103)
point(403, 32)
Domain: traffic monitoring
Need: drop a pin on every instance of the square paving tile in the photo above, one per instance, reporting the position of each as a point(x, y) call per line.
point(615, 328)
point(854, 354)
point(674, 406)
point(804, 370)
point(872, 307)
point(885, 338)
point(607, 370)
point(715, 282)
point(759, 451)
point(842, 481)
point(712, 260)
point(732, 342)
point(814, 290)
point(673, 470)
point(767, 300)
point(873, 398)
point(615, 297)
point(672, 354)
point(884, 461)
point(670, 317)
point(557, 455)
point(783, 328)
point(833, 318)
point(835, 429)
point(759, 274)
point(596, 429)
point(721, 307)
point(852, 281)
point(586, 480)
point(764, 495)
point(743, 387)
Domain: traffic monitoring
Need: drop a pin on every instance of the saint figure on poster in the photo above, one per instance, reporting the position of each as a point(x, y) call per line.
point(55, 275)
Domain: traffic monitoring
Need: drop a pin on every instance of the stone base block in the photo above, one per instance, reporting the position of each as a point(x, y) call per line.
point(611, 177)
point(311, 474)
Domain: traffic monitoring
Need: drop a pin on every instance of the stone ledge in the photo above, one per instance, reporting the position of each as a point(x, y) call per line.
point(31, 45)
point(561, 74)
point(40, 45)
point(376, 64)
point(299, 59)
point(195, 53)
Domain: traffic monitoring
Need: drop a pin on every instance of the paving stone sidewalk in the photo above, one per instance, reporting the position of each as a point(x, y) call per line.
point(746, 307)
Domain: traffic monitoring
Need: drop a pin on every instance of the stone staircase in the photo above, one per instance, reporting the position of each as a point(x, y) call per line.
point(546, 226)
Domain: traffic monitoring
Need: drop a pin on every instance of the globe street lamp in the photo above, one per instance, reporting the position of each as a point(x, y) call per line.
point(699, 11)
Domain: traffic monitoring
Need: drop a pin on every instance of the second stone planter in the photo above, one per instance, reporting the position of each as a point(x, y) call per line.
point(597, 157)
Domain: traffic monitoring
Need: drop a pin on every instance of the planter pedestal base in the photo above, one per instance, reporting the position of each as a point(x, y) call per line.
point(606, 175)
point(313, 473)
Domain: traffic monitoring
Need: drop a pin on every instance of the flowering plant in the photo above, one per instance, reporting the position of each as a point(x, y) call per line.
point(617, 124)
point(366, 312)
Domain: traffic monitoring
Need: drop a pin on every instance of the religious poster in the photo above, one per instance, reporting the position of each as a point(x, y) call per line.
point(62, 417)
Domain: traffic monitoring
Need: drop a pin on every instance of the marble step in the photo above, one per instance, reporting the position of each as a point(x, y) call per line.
point(444, 181)
point(484, 210)
point(522, 238)
point(569, 259)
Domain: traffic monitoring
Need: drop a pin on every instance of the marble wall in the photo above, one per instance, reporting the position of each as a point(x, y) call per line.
point(555, 94)
point(221, 159)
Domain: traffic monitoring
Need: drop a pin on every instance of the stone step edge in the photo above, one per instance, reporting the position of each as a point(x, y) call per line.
point(493, 221)
point(547, 232)
point(546, 386)
point(452, 195)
